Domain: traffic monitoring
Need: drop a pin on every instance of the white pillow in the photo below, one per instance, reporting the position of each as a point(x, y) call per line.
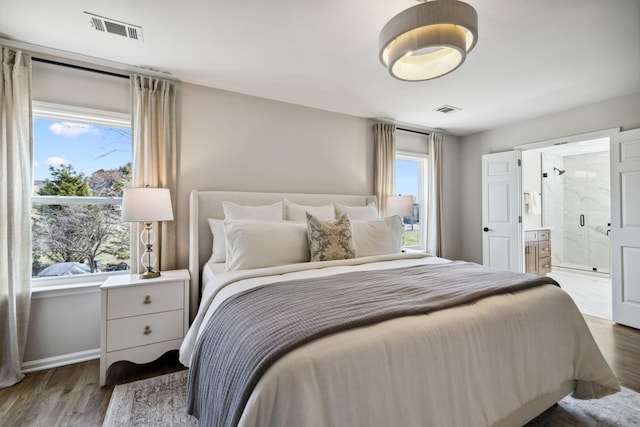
point(295, 212)
point(255, 244)
point(357, 212)
point(236, 211)
point(219, 247)
point(377, 236)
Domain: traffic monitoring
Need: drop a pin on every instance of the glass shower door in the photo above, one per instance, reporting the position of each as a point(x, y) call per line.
point(576, 204)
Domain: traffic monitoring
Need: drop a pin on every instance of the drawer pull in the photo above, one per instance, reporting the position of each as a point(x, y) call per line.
point(147, 330)
point(147, 300)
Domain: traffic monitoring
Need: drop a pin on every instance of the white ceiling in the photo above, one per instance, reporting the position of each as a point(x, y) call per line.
point(533, 57)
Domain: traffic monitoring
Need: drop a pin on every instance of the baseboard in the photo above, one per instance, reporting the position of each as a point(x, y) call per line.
point(62, 360)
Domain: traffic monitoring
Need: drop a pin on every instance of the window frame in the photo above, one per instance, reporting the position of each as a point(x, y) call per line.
point(83, 115)
point(422, 196)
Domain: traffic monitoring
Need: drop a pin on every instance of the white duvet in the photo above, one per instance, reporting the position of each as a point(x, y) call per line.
point(472, 365)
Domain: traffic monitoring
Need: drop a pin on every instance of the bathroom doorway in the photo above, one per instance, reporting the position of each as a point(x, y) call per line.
point(567, 191)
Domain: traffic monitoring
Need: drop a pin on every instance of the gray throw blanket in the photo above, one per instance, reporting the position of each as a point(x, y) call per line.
point(251, 330)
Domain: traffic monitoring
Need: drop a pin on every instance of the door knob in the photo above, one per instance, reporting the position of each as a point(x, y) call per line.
point(486, 229)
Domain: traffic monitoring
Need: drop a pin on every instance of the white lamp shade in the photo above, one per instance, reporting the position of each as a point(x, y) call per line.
point(146, 204)
point(399, 205)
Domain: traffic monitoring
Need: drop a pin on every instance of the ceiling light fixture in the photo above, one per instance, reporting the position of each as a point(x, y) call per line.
point(428, 40)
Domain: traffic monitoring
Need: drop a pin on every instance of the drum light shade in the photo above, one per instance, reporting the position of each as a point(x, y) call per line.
point(428, 40)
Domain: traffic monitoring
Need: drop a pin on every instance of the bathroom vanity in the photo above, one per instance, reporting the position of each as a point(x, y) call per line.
point(537, 250)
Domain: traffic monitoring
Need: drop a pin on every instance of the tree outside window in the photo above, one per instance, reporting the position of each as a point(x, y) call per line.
point(76, 200)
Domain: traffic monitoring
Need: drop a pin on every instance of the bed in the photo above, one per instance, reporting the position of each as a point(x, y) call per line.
point(486, 356)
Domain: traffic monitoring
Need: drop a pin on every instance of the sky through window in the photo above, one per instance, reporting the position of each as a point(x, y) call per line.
point(86, 147)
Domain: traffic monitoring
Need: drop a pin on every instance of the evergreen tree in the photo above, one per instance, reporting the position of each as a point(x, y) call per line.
point(79, 232)
point(65, 182)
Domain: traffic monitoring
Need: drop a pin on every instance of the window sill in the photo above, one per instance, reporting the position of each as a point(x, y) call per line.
point(69, 285)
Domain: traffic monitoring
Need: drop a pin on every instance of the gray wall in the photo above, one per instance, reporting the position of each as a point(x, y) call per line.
point(620, 112)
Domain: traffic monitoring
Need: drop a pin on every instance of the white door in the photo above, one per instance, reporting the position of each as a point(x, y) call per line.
point(501, 232)
point(625, 227)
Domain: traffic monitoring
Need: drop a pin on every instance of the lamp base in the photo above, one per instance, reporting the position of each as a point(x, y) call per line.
point(149, 275)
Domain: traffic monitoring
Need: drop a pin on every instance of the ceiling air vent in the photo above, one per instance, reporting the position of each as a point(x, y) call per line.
point(108, 25)
point(447, 109)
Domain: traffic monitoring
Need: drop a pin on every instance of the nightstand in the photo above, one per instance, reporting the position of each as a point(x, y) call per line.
point(142, 318)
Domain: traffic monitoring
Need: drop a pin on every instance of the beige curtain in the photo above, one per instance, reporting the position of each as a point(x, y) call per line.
point(154, 159)
point(435, 243)
point(16, 183)
point(384, 136)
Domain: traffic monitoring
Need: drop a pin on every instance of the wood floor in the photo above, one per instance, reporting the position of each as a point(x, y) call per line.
point(70, 395)
point(620, 346)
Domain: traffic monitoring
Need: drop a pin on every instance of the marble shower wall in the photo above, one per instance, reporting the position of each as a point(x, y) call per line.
point(585, 190)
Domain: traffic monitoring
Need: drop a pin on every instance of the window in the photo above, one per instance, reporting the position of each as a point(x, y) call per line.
point(410, 172)
point(82, 160)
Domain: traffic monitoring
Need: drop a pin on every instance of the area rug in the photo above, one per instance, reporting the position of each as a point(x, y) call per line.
point(621, 409)
point(157, 401)
point(160, 401)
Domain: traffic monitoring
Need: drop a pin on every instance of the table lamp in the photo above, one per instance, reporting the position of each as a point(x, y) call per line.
point(148, 205)
point(399, 205)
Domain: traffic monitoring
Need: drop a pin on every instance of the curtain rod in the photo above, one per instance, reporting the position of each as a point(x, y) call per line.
point(66, 58)
point(79, 67)
point(414, 131)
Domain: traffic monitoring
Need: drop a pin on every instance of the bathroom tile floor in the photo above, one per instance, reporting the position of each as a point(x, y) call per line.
point(591, 293)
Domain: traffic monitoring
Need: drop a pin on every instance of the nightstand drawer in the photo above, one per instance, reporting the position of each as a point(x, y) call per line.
point(143, 330)
point(144, 299)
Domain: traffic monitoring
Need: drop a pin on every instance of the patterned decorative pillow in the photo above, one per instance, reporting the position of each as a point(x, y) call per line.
point(330, 240)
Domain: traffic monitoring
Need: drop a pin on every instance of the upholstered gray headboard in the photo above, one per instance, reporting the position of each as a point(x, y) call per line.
point(208, 204)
